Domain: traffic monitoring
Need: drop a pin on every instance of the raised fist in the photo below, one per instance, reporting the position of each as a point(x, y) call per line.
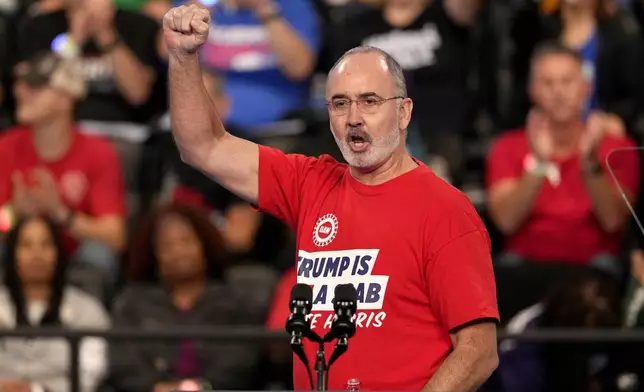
point(185, 28)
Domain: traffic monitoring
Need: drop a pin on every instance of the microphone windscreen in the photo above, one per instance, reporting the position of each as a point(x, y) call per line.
point(302, 292)
point(346, 293)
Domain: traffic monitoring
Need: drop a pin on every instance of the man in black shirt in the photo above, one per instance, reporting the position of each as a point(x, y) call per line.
point(118, 49)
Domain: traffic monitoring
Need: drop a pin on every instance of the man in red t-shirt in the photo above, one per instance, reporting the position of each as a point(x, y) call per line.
point(412, 245)
point(49, 168)
point(549, 190)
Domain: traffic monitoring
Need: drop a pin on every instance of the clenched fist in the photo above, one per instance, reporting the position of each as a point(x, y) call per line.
point(185, 28)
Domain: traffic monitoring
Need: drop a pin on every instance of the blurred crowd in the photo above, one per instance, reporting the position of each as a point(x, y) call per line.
point(104, 226)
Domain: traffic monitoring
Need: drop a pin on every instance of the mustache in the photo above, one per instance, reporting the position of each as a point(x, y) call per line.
point(358, 132)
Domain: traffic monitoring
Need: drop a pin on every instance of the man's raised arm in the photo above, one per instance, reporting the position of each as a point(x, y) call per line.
point(196, 125)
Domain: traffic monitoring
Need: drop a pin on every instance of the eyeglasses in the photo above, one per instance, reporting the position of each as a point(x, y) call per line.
point(367, 105)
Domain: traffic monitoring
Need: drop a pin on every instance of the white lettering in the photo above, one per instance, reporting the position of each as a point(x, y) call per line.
point(314, 319)
point(237, 35)
point(362, 319)
point(412, 49)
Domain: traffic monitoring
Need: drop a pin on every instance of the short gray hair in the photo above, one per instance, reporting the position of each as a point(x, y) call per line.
point(554, 49)
point(395, 70)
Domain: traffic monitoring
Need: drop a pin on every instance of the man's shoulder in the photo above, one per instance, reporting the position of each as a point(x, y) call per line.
point(320, 165)
point(11, 136)
point(442, 202)
point(441, 194)
point(326, 161)
point(614, 148)
point(327, 169)
point(611, 141)
point(510, 139)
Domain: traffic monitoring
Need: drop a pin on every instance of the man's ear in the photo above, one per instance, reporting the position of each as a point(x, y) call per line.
point(406, 107)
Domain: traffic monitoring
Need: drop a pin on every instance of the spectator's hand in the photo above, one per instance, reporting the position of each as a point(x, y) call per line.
point(47, 197)
point(539, 136)
point(637, 265)
point(185, 29)
point(80, 26)
point(14, 386)
point(166, 386)
point(21, 200)
point(614, 126)
point(102, 14)
point(595, 127)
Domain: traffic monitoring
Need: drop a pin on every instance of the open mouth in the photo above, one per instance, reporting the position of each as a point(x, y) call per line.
point(358, 143)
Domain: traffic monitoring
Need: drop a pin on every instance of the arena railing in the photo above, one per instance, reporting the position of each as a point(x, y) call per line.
point(257, 335)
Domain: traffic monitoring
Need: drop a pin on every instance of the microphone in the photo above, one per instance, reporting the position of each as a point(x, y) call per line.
point(300, 304)
point(345, 306)
point(297, 325)
point(343, 326)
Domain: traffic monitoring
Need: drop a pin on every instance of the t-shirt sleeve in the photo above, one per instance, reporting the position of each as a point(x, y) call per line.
point(501, 163)
point(460, 277)
point(281, 178)
point(107, 190)
point(303, 17)
point(624, 161)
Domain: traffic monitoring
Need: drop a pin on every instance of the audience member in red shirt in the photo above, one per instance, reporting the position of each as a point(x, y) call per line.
point(549, 190)
point(50, 168)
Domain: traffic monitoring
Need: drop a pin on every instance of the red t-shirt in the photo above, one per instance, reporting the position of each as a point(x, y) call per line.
point(562, 225)
point(88, 175)
point(414, 248)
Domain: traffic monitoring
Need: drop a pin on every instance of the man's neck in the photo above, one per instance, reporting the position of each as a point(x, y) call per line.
point(401, 13)
point(398, 164)
point(565, 137)
point(37, 292)
point(186, 293)
point(52, 140)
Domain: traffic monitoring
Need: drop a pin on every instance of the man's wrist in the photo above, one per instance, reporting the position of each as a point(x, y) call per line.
point(536, 166)
point(591, 165)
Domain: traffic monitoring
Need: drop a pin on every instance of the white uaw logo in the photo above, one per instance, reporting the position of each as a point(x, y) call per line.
point(325, 230)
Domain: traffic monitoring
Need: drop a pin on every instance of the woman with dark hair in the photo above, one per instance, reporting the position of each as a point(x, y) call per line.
point(608, 40)
point(36, 292)
point(183, 280)
point(176, 231)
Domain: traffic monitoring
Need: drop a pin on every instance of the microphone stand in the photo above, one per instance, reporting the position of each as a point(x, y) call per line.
point(321, 368)
point(341, 347)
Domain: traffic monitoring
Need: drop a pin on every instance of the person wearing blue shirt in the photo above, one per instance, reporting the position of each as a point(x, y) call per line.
point(266, 51)
point(588, 53)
